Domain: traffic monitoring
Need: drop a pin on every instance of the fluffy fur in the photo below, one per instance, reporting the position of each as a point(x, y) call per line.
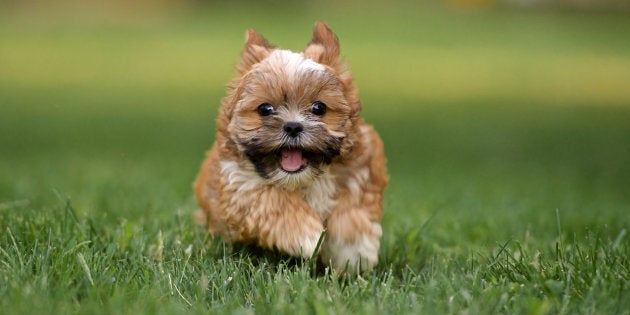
point(292, 158)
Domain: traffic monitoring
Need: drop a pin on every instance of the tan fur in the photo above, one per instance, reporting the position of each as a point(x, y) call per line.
point(256, 203)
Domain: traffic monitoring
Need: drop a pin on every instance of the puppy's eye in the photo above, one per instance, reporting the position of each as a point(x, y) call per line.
point(265, 109)
point(318, 108)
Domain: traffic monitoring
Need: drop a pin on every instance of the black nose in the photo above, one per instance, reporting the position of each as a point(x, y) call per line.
point(293, 128)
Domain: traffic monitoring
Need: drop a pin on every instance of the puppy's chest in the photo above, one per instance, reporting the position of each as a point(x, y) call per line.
point(320, 196)
point(244, 184)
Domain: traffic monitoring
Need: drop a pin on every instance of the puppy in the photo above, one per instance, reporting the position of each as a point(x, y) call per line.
point(293, 158)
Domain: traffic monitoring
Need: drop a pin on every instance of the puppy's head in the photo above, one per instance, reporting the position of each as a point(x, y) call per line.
point(291, 114)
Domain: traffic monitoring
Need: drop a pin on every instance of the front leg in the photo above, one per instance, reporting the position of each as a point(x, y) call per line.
point(353, 227)
point(352, 241)
point(276, 219)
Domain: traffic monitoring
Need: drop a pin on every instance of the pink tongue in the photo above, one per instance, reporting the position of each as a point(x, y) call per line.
point(291, 160)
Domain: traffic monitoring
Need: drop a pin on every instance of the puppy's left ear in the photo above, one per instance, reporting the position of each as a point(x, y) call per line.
point(324, 46)
point(256, 49)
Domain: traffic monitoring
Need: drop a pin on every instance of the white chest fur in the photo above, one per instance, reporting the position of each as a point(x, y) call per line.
point(320, 194)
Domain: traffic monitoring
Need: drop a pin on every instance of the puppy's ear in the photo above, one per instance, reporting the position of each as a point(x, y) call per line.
point(324, 46)
point(256, 49)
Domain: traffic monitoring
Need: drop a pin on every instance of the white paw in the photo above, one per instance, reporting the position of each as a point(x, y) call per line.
point(308, 245)
point(361, 255)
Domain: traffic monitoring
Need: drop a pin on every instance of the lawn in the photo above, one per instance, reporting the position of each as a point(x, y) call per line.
point(507, 134)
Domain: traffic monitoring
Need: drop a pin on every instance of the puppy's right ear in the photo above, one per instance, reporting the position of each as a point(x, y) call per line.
point(256, 49)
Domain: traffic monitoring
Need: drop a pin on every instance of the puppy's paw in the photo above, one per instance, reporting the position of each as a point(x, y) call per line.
point(353, 257)
point(308, 245)
point(310, 229)
point(299, 239)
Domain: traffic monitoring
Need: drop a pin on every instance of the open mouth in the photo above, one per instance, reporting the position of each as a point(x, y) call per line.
point(292, 160)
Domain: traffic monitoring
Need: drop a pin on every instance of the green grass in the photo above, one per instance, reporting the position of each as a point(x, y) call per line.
point(507, 134)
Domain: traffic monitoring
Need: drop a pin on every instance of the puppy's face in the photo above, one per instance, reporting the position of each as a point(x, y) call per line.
point(289, 113)
point(290, 117)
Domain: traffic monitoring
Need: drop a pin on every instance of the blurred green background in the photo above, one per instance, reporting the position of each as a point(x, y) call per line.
point(494, 114)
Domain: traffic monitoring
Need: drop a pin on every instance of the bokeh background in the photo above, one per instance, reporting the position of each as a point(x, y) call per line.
point(495, 114)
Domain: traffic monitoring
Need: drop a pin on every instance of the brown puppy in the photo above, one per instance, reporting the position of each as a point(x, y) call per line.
point(293, 158)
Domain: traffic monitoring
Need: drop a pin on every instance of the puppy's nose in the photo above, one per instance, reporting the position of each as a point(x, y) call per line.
point(293, 128)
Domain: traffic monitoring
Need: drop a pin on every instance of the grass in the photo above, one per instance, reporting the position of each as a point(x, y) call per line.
point(506, 133)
